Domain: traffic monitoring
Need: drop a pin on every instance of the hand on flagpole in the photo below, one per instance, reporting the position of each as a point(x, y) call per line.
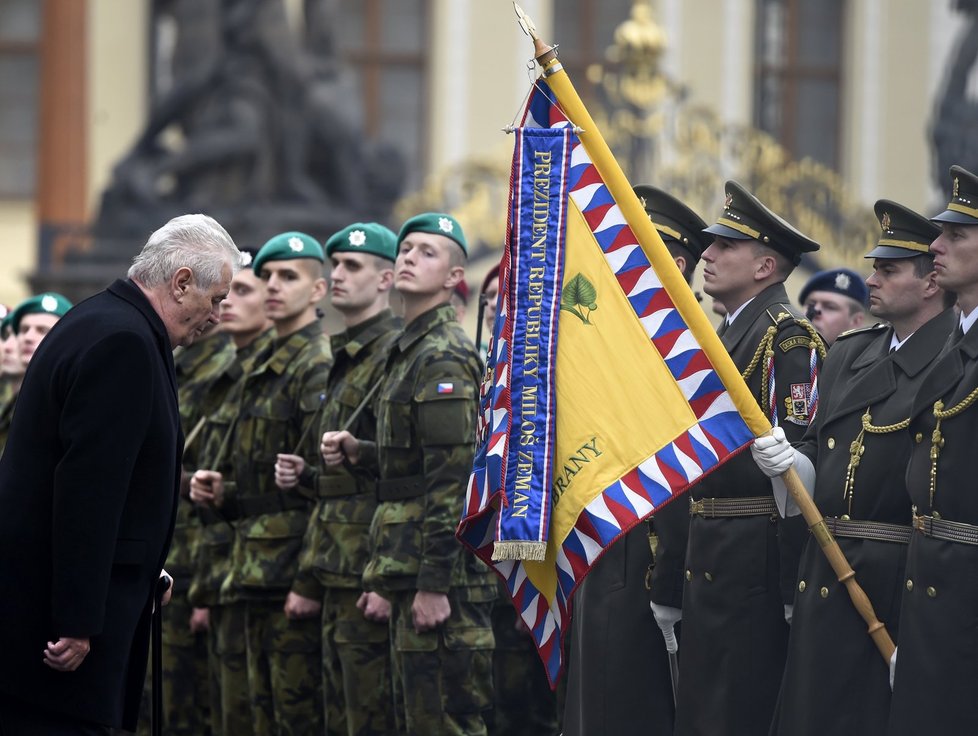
point(774, 455)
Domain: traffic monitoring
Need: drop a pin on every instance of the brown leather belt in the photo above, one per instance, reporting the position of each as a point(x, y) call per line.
point(951, 531)
point(876, 530)
point(714, 508)
point(400, 489)
point(336, 486)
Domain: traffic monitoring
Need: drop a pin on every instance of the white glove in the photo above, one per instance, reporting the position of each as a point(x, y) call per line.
point(789, 612)
point(667, 617)
point(892, 667)
point(773, 453)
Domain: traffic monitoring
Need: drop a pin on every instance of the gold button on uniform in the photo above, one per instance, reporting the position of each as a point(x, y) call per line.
point(918, 437)
point(689, 575)
point(801, 586)
point(931, 591)
point(824, 592)
point(708, 576)
point(910, 585)
point(831, 443)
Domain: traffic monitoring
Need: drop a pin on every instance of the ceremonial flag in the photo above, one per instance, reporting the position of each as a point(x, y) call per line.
point(607, 393)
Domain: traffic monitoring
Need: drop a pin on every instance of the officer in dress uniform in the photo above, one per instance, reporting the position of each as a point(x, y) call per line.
point(440, 594)
point(937, 650)
point(617, 653)
point(356, 647)
point(834, 301)
point(280, 405)
point(835, 681)
point(741, 559)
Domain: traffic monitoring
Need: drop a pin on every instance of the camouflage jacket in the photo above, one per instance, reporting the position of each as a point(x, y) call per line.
point(335, 548)
point(6, 416)
point(196, 368)
point(280, 404)
point(425, 434)
point(212, 554)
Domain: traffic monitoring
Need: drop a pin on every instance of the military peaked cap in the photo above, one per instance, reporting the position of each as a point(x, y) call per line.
point(905, 234)
point(744, 217)
point(963, 207)
point(674, 220)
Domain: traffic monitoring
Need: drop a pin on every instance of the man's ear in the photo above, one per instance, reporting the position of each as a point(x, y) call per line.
point(386, 280)
point(319, 290)
point(180, 282)
point(455, 275)
point(680, 263)
point(765, 266)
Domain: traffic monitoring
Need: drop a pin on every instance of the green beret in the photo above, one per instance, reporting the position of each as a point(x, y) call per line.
point(288, 247)
point(437, 223)
point(364, 237)
point(47, 303)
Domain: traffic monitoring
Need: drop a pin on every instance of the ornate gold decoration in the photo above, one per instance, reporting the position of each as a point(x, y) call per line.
point(658, 136)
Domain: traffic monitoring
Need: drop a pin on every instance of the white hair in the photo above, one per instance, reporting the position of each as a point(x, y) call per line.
point(197, 242)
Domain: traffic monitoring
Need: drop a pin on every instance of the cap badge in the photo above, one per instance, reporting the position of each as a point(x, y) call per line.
point(842, 281)
point(358, 238)
point(245, 258)
point(954, 191)
point(885, 221)
point(445, 225)
point(49, 303)
point(295, 244)
point(728, 201)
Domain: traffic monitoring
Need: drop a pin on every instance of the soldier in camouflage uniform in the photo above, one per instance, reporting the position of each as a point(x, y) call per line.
point(185, 680)
point(356, 647)
point(440, 595)
point(243, 319)
point(279, 404)
point(29, 322)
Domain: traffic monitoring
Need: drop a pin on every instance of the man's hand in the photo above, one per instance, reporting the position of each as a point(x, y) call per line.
point(298, 606)
point(773, 453)
point(374, 607)
point(200, 620)
point(288, 468)
point(66, 654)
point(429, 610)
point(207, 487)
point(337, 446)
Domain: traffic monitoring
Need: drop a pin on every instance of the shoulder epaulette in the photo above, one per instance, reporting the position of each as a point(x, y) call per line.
point(879, 326)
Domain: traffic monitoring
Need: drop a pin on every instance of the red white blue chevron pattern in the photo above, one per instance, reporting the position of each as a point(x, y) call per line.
point(719, 432)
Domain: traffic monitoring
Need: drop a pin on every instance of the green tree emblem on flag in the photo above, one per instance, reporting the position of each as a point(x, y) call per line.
point(579, 294)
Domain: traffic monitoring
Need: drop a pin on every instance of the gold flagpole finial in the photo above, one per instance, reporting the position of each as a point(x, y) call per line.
point(525, 22)
point(544, 54)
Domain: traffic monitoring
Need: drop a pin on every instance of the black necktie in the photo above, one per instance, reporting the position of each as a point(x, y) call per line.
point(723, 327)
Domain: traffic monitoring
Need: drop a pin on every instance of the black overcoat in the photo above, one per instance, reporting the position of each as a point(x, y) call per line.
point(741, 571)
point(937, 660)
point(88, 489)
point(835, 680)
